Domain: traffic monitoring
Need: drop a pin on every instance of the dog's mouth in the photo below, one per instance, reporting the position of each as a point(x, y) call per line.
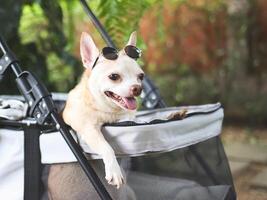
point(124, 102)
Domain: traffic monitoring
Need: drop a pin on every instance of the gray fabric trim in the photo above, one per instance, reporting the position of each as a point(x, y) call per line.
point(12, 109)
point(144, 139)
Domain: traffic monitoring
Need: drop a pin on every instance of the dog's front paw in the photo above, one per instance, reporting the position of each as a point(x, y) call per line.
point(114, 175)
point(178, 115)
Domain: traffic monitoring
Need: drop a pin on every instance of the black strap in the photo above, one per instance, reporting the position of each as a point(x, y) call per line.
point(32, 163)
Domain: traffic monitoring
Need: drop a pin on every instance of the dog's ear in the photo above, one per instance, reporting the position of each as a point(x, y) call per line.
point(132, 39)
point(89, 51)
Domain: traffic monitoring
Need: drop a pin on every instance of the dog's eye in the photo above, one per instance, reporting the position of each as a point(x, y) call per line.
point(141, 76)
point(114, 77)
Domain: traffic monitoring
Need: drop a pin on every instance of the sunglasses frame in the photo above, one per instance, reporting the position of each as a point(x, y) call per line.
point(111, 53)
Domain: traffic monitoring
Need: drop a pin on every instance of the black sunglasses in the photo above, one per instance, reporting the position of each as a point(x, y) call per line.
point(111, 53)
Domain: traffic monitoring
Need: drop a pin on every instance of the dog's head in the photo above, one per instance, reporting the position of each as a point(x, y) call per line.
point(114, 84)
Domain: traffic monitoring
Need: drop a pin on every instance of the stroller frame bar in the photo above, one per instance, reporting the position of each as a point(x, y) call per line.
point(42, 108)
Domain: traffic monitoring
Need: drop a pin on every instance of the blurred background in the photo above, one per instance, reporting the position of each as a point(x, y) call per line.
point(196, 51)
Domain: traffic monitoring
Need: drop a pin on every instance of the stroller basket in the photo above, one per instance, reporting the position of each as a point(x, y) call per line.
point(162, 159)
point(149, 133)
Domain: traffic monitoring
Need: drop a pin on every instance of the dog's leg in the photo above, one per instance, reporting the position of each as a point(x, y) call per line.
point(96, 141)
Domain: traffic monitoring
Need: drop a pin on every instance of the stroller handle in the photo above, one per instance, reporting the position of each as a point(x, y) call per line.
point(3, 46)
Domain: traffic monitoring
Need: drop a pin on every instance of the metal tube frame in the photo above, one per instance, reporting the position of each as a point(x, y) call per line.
point(42, 109)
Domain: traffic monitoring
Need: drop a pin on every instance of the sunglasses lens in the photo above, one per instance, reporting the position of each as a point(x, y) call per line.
point(132, 51)
point(110, 53)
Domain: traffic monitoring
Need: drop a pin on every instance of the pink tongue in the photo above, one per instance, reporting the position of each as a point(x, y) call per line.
point(131, 103)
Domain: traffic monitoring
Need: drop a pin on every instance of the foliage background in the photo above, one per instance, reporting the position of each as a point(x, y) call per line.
point(197, 51)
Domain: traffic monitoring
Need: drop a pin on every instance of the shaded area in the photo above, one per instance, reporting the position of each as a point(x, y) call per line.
point(34, 53)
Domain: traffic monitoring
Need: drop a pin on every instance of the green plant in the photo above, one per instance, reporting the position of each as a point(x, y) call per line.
point(120, 17)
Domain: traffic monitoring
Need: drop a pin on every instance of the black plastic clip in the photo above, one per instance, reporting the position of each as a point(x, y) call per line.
point(37, 96)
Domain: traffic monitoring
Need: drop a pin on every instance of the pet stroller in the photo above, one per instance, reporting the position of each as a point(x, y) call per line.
point(162, 159)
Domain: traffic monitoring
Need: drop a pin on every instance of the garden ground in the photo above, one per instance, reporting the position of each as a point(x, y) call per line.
point(247, 153)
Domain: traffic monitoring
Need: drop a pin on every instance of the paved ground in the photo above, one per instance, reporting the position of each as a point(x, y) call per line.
point(261, 179)
point(248, 163)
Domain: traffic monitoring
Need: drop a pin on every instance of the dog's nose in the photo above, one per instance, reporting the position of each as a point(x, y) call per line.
point(135, 90)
